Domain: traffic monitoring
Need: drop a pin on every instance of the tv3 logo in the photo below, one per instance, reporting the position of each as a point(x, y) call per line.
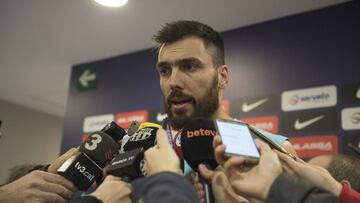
point(94, 140)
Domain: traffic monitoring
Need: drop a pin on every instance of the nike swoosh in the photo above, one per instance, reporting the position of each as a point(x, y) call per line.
point(248, 107)
point(301, 125)
point(358, 93)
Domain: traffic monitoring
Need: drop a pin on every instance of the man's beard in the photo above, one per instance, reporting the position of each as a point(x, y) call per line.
point(204, 107)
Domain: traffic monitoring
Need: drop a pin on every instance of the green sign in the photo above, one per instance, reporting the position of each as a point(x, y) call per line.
point(87, 79)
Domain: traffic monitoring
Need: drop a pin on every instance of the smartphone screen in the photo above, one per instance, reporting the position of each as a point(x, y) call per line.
point(237, 138)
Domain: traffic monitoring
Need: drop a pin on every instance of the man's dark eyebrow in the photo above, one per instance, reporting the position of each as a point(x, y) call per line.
point(187, 60)
point(162, 63)
point(179, 62)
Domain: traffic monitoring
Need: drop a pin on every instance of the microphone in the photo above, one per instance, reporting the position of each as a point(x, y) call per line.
point(144, 137)
point(129, 165)
point(134, 126)
point(196, 146)
point(114, 131)
point(84, 167)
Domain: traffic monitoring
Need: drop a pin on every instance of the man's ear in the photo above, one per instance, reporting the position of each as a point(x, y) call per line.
point(223, 73)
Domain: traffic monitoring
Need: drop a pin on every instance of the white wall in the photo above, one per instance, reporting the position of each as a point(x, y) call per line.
point(27, 137)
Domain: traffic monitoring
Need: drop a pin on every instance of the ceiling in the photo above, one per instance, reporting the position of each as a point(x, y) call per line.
point(41, 39)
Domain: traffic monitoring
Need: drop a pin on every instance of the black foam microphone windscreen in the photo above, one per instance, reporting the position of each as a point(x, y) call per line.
point(127, 165)
point(196, 145)
point(100, 147)
point(196, 142)
point(114, 131)
point(84, 167)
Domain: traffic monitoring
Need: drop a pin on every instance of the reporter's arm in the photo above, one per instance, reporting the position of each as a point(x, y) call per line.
point(313, 174)
point(164, 187)
point(37, 186)
point(166, 183)
point(286, 188)
point(112, 190)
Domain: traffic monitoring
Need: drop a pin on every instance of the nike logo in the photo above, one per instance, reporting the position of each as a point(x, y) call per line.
point(161, 116)
point(301, 125)
point(248, 107)
point(358, 93)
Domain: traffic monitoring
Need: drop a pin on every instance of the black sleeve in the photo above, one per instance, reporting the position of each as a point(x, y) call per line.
point(290, 189)
point(164, 187)
point(86, 199)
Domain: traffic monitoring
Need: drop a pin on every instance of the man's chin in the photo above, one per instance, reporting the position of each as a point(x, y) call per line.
point(178, 121)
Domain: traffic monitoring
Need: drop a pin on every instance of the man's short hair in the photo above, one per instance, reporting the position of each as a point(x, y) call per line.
point(178, 30)
point(343, 167)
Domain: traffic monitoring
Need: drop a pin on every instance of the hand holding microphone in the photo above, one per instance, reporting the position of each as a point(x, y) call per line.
point(55, 165)
point(85, 166)
point(129, 165)
point(161, 157)
point(113, 190)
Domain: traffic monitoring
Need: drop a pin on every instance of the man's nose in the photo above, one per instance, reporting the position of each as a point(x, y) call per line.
point(175, 79)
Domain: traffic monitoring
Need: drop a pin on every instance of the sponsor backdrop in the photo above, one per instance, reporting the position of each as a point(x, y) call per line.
point(297, 76)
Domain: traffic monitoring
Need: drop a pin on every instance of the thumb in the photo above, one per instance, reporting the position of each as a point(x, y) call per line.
point(162, 139)
point(206, 173)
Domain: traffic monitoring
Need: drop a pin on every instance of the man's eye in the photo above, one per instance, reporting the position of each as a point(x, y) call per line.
point(164, 71)
point(189, 66)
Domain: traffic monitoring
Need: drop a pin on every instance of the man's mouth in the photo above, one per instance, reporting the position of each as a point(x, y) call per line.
point(180, 103)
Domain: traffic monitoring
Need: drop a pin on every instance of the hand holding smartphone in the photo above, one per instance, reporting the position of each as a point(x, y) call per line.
point(238, 139)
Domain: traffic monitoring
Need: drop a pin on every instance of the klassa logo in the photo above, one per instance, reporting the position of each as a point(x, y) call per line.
point(200, 132)
point(82, 170)
point(315, 145)
point(323, 146)
point(309, 98)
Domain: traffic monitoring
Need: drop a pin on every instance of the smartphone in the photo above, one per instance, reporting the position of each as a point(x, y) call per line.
point(255, 134)
point(238, 139)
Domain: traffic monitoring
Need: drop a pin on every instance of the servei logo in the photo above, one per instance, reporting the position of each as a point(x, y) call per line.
point(310, 146)
point(267, 123)
point(96, 123)
point(317, 97)
point(350, 118)
point(125, 119)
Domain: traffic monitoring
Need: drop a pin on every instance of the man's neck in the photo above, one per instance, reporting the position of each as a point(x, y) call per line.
point(221, 114)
